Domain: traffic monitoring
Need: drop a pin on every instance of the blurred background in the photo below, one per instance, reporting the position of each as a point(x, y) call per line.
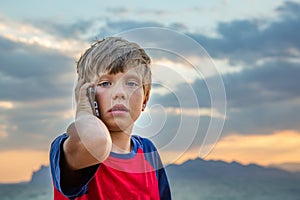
point(253, 45)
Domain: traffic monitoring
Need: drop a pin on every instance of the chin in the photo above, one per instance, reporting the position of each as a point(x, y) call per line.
point(121, 128)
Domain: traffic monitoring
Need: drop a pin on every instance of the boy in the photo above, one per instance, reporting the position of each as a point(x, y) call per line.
point(97, 157)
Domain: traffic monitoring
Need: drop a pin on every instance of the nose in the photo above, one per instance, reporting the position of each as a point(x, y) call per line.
point(119, 92)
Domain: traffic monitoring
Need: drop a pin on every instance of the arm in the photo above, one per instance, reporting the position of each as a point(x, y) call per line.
point(75, 156)
point(88, 141)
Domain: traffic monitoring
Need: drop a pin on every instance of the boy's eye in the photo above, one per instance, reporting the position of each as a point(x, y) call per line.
point(104, 84)
point(131, 84)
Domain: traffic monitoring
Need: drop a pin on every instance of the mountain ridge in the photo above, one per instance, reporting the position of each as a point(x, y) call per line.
point(288, 166)
point(216, 169)
point(201, 169)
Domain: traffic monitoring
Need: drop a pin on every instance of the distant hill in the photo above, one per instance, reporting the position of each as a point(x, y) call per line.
point(210, 169)
point(292, 167)
point(201, 169)
point(41, 176)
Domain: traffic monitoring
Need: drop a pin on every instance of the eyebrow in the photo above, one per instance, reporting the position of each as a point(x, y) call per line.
point(105, 76)
point(135, 76)
point(132, 76)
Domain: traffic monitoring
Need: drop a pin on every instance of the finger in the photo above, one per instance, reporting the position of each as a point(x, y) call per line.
point(79, 84)
point(77, 88)
point(83, 89)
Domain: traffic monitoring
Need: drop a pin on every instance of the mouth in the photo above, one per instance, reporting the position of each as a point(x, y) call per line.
point(118, 108)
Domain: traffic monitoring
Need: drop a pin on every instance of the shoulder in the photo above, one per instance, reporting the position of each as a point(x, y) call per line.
point(56, 143)
point(59, 138)
point(56, 149)
point(145, 143)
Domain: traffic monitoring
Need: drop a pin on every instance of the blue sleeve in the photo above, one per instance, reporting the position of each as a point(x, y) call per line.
point(70, 183)
point(152, 156)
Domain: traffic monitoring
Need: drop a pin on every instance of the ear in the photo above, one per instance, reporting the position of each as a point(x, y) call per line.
point(146, 98)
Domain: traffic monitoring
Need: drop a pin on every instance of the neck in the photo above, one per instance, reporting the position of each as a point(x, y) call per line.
point(121, 142)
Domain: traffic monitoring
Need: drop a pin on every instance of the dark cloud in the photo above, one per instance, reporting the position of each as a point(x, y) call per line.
point(184, 95)
point(115, 27)
point(247, 41)
point(32, 72)
point(264, 118)
point(70, 30)
point(37, 81)
point(244, 41)
point(175, 132)
point(34, 124)
point(261, 98)
point(289, 9)
point(275, 81)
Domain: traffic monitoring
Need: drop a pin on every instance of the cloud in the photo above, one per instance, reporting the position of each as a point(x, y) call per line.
point(255, 148)
point(263, 118)
point(250, 40)
point(273, 148)
point(75, 30)
point(119, 11)
point(28, 72)
point(115, 27)
point(273, 82)
point(34, 124)
point(36, 94)
point(257, 98)
point(38, 81)
point(263, 99)
point(31, 34)
point(289, 9)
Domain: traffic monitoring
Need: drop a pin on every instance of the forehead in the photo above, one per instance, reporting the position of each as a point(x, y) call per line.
point(130, 73)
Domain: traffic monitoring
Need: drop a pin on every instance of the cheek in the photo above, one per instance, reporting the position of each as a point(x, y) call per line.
point(101, 99)
point(136, 98)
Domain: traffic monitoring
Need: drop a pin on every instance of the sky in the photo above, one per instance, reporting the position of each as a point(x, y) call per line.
point(225, 76)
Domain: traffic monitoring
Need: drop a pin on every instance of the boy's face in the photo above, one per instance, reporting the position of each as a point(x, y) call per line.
point(120, 98)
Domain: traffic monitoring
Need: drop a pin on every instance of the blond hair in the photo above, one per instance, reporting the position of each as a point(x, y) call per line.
point(113, 55)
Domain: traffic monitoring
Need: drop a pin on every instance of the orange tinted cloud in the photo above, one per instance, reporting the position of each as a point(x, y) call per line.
point(279, 147)
point(274, 148)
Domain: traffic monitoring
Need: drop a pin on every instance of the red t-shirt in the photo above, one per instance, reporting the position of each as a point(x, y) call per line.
point(137, 175)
